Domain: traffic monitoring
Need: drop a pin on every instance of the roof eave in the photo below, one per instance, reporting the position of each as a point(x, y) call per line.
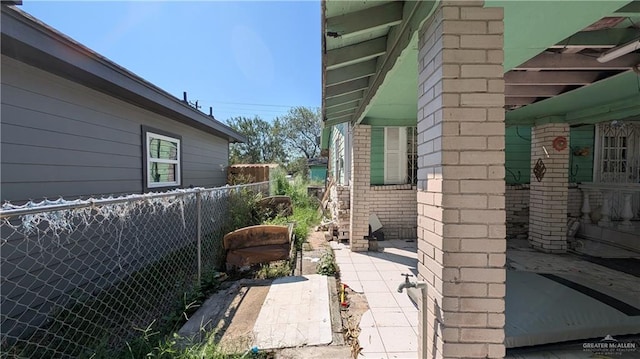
point(21, 31)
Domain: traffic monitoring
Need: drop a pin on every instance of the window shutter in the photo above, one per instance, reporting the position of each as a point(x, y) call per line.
point(395, 155)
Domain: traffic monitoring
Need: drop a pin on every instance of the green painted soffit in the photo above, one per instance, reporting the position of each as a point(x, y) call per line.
point(623, 89)
point(531, 27)
point(397, 97)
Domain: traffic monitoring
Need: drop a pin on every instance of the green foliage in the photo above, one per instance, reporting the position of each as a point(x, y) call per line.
point(274, 270)
point(305, 208)
point(264, 141)
point(243, 211)
point(327, 264)
point(151, 346)
point(301, 131)
point(288, 140)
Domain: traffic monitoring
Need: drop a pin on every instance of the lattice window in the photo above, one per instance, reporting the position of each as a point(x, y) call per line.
point(400, 155)
point(618, 150)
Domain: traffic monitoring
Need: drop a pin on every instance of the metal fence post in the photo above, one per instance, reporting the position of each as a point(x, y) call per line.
point(199, 233)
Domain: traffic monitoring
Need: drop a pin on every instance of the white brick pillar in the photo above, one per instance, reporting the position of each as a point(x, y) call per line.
point(360, 183)
point(461, 215)
point(548, 197)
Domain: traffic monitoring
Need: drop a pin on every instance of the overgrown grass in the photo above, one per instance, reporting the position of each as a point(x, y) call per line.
point(274, 270)
point(305, 208)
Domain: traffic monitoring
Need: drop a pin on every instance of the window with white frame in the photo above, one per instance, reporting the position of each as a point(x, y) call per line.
point(163, 159)
point(400, 155)
point(617, 157)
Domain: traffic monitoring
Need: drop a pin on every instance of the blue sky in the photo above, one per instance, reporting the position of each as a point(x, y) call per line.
point(244, 58)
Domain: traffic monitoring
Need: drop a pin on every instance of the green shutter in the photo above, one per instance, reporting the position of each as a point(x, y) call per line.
point(377, 155)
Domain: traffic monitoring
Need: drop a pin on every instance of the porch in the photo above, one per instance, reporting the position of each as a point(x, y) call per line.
point(599, 298)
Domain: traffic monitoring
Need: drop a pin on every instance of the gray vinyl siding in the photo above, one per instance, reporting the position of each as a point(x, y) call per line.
point(59, 138)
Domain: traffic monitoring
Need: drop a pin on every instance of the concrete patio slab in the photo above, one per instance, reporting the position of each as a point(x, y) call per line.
point(300, 306)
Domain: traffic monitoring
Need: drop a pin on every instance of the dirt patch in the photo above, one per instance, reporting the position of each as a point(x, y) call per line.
point(237, 334)
point(351, 314)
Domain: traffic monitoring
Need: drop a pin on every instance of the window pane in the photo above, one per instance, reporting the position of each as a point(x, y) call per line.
point(163, 149)
point(162, 172)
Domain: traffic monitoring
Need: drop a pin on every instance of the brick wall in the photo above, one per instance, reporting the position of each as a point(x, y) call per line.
point(461, 216)
point(360, 183)
point(339, 206)
point(549, 197)
point(396, 209)
point(517, 206)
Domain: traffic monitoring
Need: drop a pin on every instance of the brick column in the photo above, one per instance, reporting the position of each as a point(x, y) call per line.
point(461, 215)
point(360, 182)
point(548, 198)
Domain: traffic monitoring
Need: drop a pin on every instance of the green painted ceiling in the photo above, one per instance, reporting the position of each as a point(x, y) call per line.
point(530, 28)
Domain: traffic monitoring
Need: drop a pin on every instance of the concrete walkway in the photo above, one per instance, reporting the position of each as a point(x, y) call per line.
point(295, 313)
point(389, 329)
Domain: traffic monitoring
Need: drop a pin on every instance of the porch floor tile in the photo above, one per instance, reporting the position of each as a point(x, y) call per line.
point(389, 329)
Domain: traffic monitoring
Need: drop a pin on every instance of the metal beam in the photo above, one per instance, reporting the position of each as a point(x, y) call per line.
point(553, 61)
point(550, 77)
point(351, 72)
point(346, 88)
point(533, 91)
point(413, 14)
point(345, 106)
point(356, 53)
point(339, 100)
point(362, 21)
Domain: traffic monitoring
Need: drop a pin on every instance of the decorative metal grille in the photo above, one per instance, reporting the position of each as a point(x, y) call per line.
point(618, 161)
point(80, 275)
point(619, 152)
point(412, 155)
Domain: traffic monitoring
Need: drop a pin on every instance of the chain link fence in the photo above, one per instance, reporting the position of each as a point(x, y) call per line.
point(87, 275)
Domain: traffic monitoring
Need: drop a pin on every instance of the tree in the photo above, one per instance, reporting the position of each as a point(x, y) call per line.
point(264, 141)
point(301, 131)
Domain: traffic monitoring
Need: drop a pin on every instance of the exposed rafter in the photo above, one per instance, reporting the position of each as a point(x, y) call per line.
point(533, 91)
point(351, 72)
point(339, 100)
point(600, 39)
point(528, 78)
point(338, 119)
point(343, 107)
point(346, 88)
point(558, 61)
point(356, 53)
point(365, 20)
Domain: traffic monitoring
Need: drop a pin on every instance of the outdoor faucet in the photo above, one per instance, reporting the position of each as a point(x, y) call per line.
point(407, 284)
